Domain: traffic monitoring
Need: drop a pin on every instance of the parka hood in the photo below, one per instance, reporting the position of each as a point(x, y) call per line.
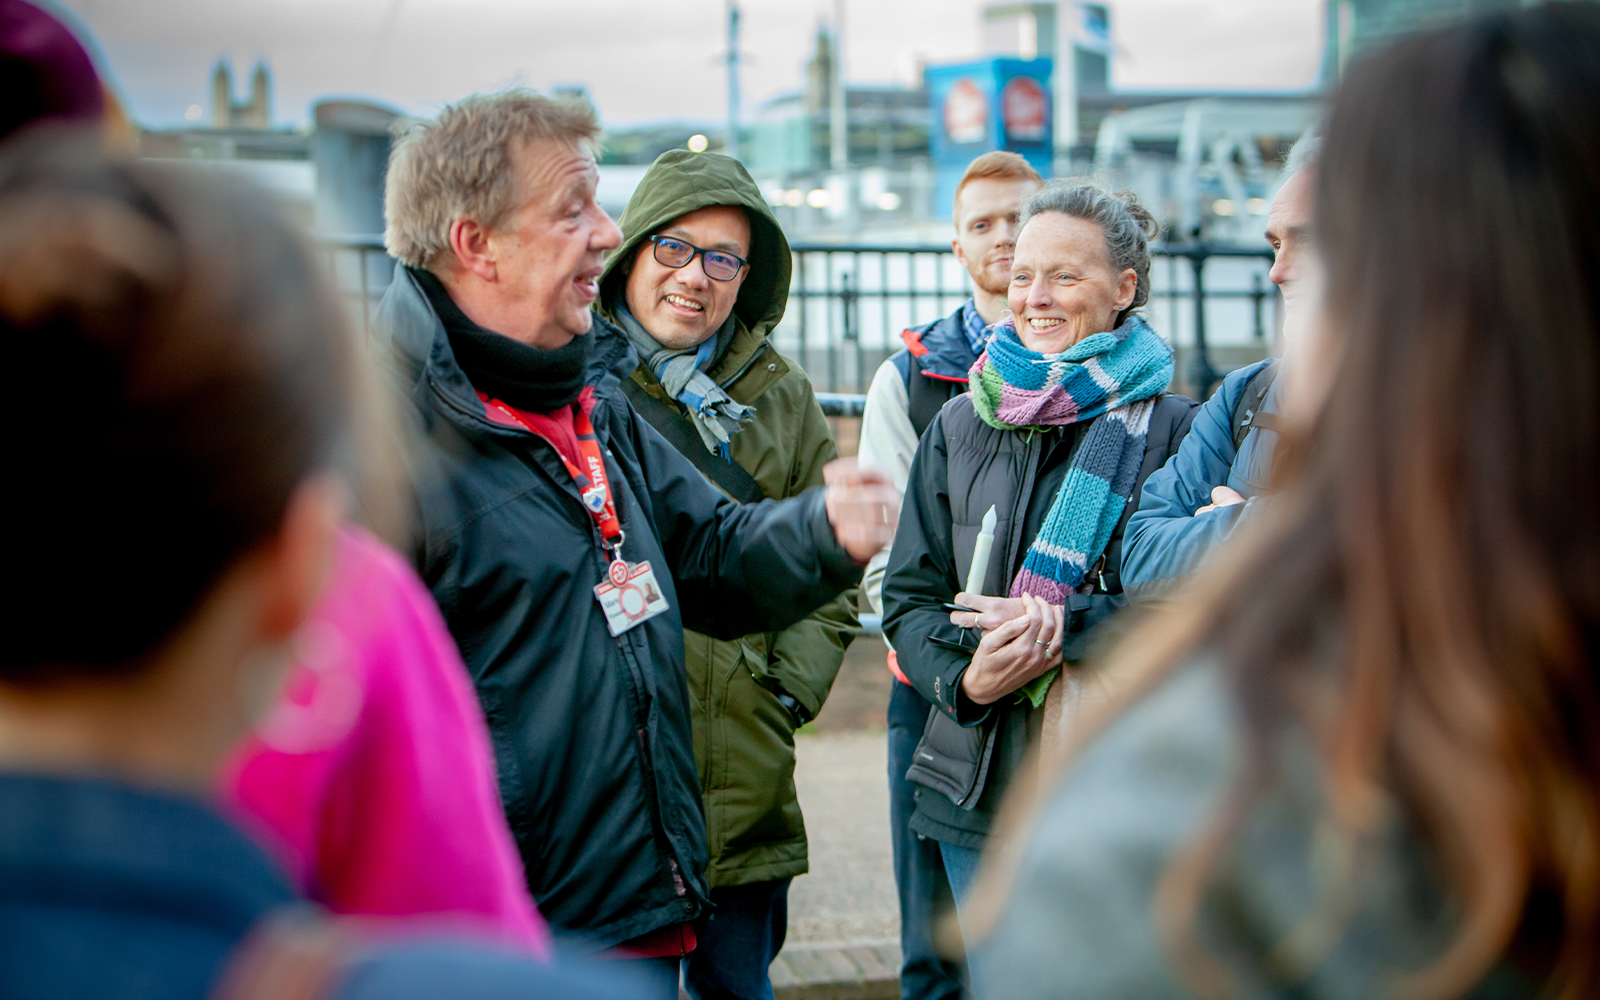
point(680, 182)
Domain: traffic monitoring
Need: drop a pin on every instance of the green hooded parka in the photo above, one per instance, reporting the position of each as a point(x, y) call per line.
point(743, 736)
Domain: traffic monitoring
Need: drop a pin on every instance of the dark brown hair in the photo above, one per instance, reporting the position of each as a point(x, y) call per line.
point(177, 367)
point(1424, 601)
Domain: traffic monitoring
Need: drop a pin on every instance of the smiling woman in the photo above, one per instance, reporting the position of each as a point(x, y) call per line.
point(1064, 286)
point(1068, 413)
point(1082, 264)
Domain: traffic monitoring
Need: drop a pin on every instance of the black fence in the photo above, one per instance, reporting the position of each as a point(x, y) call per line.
point(848, 304)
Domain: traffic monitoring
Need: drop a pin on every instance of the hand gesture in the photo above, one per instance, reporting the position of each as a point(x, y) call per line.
point(863, 507)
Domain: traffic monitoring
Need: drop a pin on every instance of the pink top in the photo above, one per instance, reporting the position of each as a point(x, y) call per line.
point(372, 777)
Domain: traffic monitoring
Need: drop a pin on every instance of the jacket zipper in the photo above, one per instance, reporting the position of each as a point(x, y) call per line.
point(678, 884)
point(736, 376)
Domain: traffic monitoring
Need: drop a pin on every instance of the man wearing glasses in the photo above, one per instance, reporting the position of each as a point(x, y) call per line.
point(700, 280)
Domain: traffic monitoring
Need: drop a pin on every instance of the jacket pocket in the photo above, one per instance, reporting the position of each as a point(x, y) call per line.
point(755, 802)
point(953, 759)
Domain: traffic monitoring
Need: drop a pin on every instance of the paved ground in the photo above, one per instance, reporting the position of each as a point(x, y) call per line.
point(849, 895)
point(840, 771)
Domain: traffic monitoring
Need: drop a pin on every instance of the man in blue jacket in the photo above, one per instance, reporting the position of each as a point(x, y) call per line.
point(1199, 498)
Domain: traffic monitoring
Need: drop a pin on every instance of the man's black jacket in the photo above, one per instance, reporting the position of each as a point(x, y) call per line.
point(591, 733)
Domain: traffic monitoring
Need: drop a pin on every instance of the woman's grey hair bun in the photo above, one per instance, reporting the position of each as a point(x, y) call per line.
point(1128, 226)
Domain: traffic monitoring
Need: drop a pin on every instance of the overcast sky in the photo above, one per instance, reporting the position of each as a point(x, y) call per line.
point(641, 60)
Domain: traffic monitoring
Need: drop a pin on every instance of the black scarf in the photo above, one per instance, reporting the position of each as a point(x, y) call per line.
point(525, 377)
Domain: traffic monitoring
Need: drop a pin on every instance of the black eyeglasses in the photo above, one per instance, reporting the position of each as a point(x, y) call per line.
point(718, 264)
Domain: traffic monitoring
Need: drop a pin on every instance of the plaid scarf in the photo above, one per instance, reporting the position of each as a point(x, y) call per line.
point(715, 414)
point(1117, 375)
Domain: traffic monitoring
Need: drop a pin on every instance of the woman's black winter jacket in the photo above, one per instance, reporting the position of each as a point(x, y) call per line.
point(963, 466)
point(591, 733)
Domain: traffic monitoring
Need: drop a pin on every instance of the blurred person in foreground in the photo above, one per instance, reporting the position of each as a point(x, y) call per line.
point(1196, 501)
point(567, 542)
point(701, 278)
point(370, 779)
point(1361, 758)
point(181, 442)
point(1067, 415)
point(906, 394)
point(48, 77)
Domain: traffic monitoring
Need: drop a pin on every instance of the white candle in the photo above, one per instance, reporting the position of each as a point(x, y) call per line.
point(980, 553)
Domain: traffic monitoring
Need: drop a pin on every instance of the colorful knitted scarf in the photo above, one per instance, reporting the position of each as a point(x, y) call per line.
point(1116, 374)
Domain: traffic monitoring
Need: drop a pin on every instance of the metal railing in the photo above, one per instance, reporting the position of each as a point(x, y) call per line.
point(848, 304)
point(1203, 374)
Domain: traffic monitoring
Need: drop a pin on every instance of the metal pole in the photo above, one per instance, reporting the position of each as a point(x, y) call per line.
point(1065, 71)
point(805, 305)
point(1257, 294)
point(730, 145)
point(833, 337)
point(883, 291)
point(838, 123)
point(1203, 374)
point(851, 315)
point(366, 294)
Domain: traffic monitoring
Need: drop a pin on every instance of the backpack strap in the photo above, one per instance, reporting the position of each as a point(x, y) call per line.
point(675, 427)
point(293, 953)
point(1247, 413)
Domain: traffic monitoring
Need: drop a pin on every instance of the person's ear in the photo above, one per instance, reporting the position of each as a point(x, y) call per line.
point(1127, 286)
point(955, 245)
point(300, 556)
point(471, 242)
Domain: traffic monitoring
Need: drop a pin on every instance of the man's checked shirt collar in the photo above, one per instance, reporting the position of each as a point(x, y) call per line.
point(973, 326)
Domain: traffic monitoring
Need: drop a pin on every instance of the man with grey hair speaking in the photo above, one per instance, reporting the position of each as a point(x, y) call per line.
point(567, 543)
point(1192, 504)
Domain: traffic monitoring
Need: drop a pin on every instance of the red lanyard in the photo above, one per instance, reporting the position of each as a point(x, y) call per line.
point(593, 486)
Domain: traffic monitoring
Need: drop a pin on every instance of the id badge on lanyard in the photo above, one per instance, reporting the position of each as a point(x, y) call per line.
point(630, 593)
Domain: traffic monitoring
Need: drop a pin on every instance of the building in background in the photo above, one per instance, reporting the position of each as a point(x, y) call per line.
point(350, 142)
point(994, 103)
point(876, 174)
point(857, 168)
point(242, 139)
point(1210, 162)
point(255, 113)
point(1204, 160)
point(639, 145)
